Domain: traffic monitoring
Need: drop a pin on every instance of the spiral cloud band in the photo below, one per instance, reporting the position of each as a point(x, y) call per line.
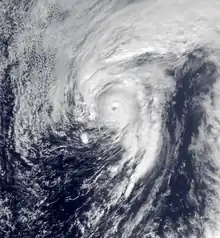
point(109, 119)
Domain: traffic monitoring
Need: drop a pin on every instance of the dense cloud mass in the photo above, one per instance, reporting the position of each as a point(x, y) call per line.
point(109, 120)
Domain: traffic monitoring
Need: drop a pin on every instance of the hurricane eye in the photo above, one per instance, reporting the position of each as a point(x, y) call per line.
point(114, 106)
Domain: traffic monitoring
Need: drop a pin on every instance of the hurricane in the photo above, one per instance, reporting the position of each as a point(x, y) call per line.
point(109, 119)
